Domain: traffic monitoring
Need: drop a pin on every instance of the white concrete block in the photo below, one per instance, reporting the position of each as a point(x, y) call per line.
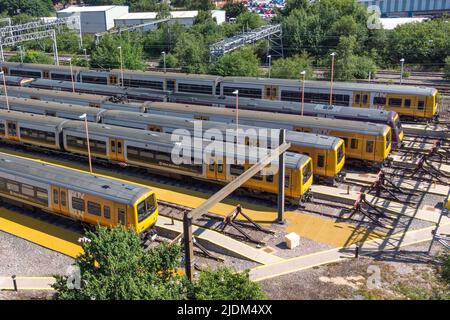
point(292, 240)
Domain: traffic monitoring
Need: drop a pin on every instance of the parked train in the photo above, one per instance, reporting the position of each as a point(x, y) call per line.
point(322, 149)
point(153, 151)
point(409, 101)
point(366, 141)
point(389, 118)
point(74, 194)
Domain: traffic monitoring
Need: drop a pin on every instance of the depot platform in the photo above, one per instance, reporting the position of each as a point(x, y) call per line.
point(319, 229)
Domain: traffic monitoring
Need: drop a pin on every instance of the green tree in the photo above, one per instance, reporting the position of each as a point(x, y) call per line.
point(242, 62)
point(202, 5)
point(447, 67)
point(233, 9)
point(249, 20)
point(35, 8)
point(114, 266)
point(290, 68)
point(224, 284)
point(191, 53)
point(107, 55)
point(32, 56)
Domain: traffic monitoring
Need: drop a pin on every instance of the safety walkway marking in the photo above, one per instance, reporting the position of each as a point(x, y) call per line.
point(406, 159)
point(314, 228)
point(370, 178)
point(42, 233)
point(221, 240)
point(393, 242)
point(427, 213)
point(422, 146)
point(27, 283)
point(426, 130)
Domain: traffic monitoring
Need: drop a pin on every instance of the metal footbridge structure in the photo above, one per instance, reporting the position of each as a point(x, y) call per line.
point(273, 33)
point(35, 30)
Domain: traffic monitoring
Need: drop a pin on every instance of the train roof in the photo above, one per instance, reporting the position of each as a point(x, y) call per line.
point(298, 138)
point(52, 105)
point(170, 75)
point(111, 189)
point(38, 119)
point(39, 66)
point(57, 93)
point(291, 119)
point(337, 85)
point(163, 142)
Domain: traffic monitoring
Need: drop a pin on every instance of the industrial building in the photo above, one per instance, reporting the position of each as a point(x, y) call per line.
point(183, 17)
point(409, 8)
point(96, 18)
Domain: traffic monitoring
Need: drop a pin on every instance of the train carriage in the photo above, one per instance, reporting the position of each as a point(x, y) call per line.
point(363, 140)
point(330, 150)
point(410, 101)
point(77, 195)
point(153, 150)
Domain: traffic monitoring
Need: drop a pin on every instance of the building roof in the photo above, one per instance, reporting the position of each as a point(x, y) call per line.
point(89, 8)
point(392, 23)
point(138, 16)
point(184, 14)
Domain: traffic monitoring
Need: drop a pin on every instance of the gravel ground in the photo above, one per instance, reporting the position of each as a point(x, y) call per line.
point(23, 258)
point(411, 267)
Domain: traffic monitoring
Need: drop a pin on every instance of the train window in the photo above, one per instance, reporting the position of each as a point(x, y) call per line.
point(77, 204)
point(201, 118)
point(119, 147)
point(38, 135)
point(236, 170)
point(357, 98)
point(341, 99)
point(94, 79)
point(379, 101)
point(269, 178)
point(243, 92)
point(369, 146)
point(27, 190)
point(170, 85)
point(287, 180)
point(25, 73)
point(61, 76)
point(55, 197)
point(107, 212)
point(365, 98)
point(258, 176)
point(164, 156)
point(121, 215)
point(42, 195)
point(157, 85)
point(291, 96)
point(220, 167)
point(12, 129)
point(211, 166)
point(97, 146)
point(395, 102)
point(12, 186)
point(320, 161)
point(113, 146)
point(94, 208)
point(268, 91)
point(63, 198)
point(2, 129)
point(345, 141)
point(421, 105)
point(407, 103)
point(354, 144)
point(195, 88)
point(306, 172)
point(2, 184)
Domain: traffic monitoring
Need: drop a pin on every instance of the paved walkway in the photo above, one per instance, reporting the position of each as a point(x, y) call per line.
point(426, 213)
point(27, 283)
point(339, 254)
point(413, 160)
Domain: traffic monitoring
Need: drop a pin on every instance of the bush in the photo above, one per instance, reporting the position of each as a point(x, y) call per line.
point(447, 68)
point(290, 68)
point(32, 56)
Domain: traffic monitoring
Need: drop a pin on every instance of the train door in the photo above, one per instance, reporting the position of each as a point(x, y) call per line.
point(5, 70)
point(171, 85)
point(12, 130)
point(361, 99)
point(112, 79)
point(216, 169)
point(120, 214)
point(271, 92)
point(46, 74)
point(116, 148)
point(59, 200)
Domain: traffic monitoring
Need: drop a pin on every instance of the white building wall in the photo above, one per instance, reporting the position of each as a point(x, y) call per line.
point(114, 13)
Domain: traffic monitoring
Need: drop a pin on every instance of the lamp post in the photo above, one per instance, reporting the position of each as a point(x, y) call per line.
point(85, 54)
point(71, 75)
point(121, 66)
point(270, 63)
point(303, 73)
point(402, 61)
point(84, 116)
point(236, 92)
point(21, 53)
point(332, 75)
point(4, 88)
point(164, 59)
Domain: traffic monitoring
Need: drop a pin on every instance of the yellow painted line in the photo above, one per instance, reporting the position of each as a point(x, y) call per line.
point(41, 233)
point(315, 228)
